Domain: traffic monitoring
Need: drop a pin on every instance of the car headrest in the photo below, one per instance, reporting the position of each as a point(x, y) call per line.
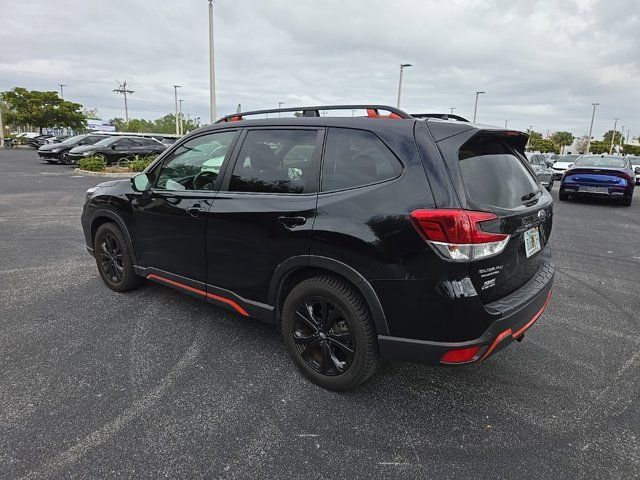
point(262, 158)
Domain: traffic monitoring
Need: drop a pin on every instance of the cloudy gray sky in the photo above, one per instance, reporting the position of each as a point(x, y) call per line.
point(541, 62)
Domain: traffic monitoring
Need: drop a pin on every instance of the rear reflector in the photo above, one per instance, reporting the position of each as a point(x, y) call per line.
point(457, 234)
point(461, 355)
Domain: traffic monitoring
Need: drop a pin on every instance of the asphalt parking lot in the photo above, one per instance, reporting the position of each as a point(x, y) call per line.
point(153, 383)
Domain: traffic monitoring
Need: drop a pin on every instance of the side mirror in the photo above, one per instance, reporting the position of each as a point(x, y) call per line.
point(113, 147)
point(569, 166)
point(140, 182)
point(637, 170)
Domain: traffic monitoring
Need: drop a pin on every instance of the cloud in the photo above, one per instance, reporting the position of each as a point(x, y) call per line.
point(542, 62)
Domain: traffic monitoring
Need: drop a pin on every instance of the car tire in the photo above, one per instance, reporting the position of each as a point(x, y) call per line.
point(329, 333)
point(64, 158)
point(627, 201)
point(550, 187)
point(563, 196)
point(113, 258)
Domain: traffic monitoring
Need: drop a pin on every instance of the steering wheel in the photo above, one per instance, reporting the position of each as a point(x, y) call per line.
point(203, 179)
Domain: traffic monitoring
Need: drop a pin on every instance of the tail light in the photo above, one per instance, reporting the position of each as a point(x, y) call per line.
point(457, 234)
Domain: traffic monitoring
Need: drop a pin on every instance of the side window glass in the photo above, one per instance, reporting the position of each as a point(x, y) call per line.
point(354, 158)
point(276, 161)
point(195, 164)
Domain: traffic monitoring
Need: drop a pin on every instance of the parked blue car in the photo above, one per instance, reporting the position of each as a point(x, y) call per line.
point(599, 176)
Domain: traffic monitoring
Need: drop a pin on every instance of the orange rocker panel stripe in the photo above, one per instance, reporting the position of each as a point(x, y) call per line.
point(231, 303)
point(508, 331)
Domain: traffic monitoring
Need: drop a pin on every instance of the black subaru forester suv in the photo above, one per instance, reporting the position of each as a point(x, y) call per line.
point(366, 238)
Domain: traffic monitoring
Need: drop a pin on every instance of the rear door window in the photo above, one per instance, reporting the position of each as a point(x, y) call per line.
point(354, 158)
point(277, 161)
point(494, 175)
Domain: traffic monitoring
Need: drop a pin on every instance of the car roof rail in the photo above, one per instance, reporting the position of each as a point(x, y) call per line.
point(441, 116)
point(373, 111)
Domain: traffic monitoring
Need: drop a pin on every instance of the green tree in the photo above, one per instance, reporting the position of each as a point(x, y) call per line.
point(599, 146)
point(166, 124)
point(617, 140)
point(544, 145)
point(631, 149)
point(562, 139)
point(42, 109)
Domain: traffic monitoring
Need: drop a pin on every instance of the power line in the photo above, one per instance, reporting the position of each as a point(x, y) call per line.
point(123, 90)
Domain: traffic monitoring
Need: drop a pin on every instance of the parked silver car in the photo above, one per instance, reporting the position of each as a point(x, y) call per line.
point(544, 173)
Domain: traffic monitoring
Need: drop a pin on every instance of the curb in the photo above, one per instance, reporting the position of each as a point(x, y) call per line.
point(77, 171)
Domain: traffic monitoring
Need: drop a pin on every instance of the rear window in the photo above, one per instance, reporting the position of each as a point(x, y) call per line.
point(493, 175)
point(598, 161)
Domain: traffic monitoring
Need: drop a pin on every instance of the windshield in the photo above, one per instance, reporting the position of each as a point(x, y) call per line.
point(74, 139)
point(106, 141)
point(568, 158)
point(598, 161)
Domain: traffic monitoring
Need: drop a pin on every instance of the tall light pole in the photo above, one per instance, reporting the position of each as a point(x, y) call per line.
point(613, 137)
point(212, 66)
point(593, 115)
point(180, 115)
point(1, 130)
point(402, 67)
point(506, 122)
point(452, 109)
point(529, 139)
point(279, 107)
point(475, 110)
point(175, 96)
point(61, 85)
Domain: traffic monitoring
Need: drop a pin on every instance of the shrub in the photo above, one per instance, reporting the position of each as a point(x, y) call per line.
point(92, 164)
point(138, 163)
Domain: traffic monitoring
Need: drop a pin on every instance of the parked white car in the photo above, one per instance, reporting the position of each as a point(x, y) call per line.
point(563, 163)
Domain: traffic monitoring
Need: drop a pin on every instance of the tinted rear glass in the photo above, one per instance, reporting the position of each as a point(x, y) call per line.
point(598, 161)
point(494, 175)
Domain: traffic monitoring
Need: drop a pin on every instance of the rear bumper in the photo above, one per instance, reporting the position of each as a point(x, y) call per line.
point(518, 311)
point(613, 192)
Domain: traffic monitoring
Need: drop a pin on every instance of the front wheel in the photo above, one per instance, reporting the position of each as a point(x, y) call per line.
point(627, 201)
point(114, 260)
point(329, 333)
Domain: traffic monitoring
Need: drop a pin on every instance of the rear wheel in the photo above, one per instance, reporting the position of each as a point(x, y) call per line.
point(114, 260)
point(329, 333)
point(627, 201)
point(563, 196)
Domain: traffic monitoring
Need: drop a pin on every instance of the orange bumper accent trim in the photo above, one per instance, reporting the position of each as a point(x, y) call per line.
point(519, 333)
point(197, 291)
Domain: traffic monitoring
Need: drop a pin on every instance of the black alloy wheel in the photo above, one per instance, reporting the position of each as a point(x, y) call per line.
point(329, 333)
point(64, 158)
point(113, 259)
point(110, 255)
point(323, 336)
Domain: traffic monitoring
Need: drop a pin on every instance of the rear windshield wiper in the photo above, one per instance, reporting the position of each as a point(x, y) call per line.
point(529, 196)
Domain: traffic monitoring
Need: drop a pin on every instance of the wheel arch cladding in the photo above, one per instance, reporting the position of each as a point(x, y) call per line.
point(105, 216)
point(296, 269)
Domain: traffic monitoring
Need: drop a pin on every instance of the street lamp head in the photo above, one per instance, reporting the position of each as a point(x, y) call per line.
point(405, 65)
point(478, 93)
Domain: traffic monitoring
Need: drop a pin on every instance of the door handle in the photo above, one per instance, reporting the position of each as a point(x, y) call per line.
point(291, 222)
point(196, 210)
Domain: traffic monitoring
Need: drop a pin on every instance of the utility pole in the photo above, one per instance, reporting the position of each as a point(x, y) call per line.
point(239, 108)
point(506, 122)
point(613, 137)
point(402, 67)
point(475, 110)
point(212, 66)
point(452, 109)
point(593, 115)
point(122, 89)
point(279, 107)
point(61, 91)
point(529, 139)
point(621, 138)
point(175, 94)
point(180, 115)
